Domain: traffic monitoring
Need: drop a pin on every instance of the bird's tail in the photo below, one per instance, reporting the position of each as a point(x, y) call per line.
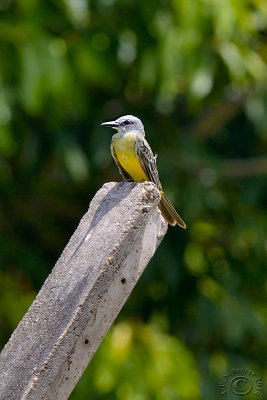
point(169, 213)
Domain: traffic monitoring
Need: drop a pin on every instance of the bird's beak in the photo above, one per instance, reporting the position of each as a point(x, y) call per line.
point(111, 124)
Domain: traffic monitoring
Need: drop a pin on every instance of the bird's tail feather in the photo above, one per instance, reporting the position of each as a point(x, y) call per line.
point(169, 213)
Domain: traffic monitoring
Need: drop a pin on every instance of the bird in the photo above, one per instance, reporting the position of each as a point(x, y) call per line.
point(136, 161)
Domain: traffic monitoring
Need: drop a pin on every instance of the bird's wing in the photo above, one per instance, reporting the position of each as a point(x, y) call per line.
point(124, 174)
point(147, 160)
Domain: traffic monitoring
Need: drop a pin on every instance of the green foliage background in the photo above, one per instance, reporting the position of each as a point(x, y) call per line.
point(195, 72)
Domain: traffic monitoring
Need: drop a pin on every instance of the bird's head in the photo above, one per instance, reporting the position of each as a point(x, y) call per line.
point(126, 124)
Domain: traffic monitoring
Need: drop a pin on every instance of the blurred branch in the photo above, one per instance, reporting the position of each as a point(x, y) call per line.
point(233, 168)
point(217, 116)
point(243, 168)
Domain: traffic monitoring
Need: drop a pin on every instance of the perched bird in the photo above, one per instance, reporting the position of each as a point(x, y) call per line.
point(137, 162)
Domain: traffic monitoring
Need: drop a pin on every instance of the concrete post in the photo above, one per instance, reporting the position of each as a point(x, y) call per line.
point(58, 336)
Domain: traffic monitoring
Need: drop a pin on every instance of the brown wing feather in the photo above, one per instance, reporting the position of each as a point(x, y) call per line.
point(149, 165)
point(147, 160)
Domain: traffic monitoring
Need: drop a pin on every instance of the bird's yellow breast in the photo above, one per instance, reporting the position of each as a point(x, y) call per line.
point(124, 146)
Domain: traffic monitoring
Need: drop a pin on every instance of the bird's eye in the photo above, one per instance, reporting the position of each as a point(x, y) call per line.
point(127, 122)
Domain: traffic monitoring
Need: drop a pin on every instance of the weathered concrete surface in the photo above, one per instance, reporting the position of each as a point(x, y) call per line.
point(82, 296)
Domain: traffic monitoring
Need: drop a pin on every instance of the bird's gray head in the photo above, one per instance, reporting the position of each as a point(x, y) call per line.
point(126, 124)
